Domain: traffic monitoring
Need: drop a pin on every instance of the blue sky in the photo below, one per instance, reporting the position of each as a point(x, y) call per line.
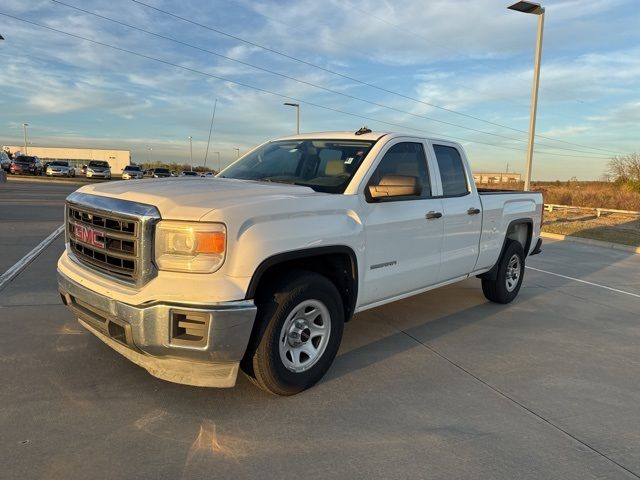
point(474, 57)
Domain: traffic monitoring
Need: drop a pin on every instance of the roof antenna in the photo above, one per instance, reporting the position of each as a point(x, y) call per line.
point(363, 130)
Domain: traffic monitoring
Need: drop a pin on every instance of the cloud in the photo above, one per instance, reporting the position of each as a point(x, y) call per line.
point(470, 56)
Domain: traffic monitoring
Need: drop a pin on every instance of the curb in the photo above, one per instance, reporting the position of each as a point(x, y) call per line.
point(588, 241)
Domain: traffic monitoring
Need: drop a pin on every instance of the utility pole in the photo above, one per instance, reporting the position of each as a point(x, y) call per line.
point(25, 125)
point(237, 152)
point(191, 152)
point(213, 116)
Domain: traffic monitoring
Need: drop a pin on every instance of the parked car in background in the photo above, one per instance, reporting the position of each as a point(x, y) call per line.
point(131, 172)
point(60, 168)
point(161, 173)
point(189, 173)
point(98, 169)
point(174, 173)
point(83, 170)
point(207, 174)
point(26, 164)
point(5, 161)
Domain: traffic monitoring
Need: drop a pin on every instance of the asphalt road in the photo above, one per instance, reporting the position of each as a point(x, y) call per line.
point(443, 385)
point(29, 211)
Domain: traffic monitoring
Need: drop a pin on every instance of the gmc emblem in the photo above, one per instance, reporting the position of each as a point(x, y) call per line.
point(88, 235)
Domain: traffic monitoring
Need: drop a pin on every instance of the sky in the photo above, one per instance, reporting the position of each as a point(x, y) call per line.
point(459, 70)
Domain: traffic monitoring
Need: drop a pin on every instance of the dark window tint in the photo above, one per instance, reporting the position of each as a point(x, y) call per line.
point(95, 163)
point(26, 159)
point(405, 159)
point(454, 179)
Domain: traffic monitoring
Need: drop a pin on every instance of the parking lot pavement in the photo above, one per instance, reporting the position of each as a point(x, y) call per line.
point(441, 385)
point(29, 211)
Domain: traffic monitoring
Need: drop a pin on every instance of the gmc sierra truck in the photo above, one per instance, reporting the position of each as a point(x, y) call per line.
point(260, 267)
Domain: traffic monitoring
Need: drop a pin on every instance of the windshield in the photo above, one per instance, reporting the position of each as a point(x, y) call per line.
point(132, 167)
point(323, 165)
point(25, 159)
point(98, 164)
point(59, 164)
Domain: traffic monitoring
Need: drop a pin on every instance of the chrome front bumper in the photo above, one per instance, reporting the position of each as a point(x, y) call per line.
point(149, 335)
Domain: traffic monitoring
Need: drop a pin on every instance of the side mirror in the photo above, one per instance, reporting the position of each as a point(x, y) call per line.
point(395, 186)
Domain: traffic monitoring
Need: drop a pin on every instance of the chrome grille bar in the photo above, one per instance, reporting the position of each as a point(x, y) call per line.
point(111, 236)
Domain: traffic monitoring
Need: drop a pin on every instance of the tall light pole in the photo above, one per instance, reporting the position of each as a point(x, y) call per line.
point(297, 105)
point(535, 9)
point(149, 149)
point(237, 152)
point(24, 126)
point(218, 153)
point(191, 152)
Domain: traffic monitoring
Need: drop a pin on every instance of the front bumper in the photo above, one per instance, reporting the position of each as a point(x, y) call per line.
point(148, 334)
point(106, 174)
point(54, 173)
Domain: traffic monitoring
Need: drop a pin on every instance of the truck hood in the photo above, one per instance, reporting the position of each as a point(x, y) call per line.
point(193, 198)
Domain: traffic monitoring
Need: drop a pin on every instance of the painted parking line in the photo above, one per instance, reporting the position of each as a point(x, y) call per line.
point(582, 281)
point(10, 274)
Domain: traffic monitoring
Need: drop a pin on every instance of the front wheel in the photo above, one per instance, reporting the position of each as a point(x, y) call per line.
point(505, 287)
point(298, 332)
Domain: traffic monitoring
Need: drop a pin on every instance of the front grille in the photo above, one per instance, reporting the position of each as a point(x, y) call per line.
point(113, 242)
point(110, 244)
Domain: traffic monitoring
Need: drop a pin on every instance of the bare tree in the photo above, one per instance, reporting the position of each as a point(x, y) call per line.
point(625, 167)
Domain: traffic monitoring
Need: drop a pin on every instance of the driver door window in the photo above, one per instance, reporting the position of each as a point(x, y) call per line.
point(406, 159)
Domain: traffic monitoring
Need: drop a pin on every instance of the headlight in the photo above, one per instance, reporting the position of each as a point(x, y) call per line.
point(89, 170)
point(190, 247)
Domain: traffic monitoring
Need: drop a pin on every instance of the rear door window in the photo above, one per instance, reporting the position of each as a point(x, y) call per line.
point(452, 172)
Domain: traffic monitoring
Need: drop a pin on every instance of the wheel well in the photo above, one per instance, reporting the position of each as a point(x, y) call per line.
point(337, 264)
point(520, 231)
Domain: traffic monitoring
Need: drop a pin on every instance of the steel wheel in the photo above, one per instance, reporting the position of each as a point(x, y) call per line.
point(513, 273)
point(304, 335)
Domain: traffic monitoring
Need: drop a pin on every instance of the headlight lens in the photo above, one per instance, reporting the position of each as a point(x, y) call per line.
point(190, 247)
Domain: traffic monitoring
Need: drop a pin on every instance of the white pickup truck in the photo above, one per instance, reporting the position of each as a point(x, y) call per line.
point(260, 267)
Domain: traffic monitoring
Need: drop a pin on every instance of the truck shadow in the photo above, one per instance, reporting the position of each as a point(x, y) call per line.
point(376, 335)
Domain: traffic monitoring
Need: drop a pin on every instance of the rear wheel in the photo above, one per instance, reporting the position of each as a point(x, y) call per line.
point(505, 287)
point(298, 332)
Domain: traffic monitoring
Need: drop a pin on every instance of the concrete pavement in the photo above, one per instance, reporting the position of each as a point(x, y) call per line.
point(441, 385)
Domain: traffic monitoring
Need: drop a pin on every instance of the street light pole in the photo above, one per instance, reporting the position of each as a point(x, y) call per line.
point(218, 153)
point(191, 152)
point(237, 152)
point(536, 9)
point(297, 105)
point(25, 125)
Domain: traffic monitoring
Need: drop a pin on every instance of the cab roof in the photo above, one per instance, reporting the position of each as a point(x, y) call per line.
point(370, 136)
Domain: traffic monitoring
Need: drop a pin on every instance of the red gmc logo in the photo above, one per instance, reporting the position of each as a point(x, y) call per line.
point(88, 235)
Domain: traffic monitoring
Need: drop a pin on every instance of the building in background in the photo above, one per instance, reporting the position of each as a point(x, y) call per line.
point(77, 157)
point(496, 177)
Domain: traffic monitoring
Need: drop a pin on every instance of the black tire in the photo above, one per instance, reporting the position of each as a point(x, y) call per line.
point(263, 362)
point(499, 290)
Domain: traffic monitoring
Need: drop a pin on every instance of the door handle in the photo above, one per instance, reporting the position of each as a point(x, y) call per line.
point(433, 215)
point(473, 211)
